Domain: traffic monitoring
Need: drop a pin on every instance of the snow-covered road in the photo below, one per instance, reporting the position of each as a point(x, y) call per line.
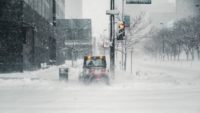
point(99, 100)
point(153, 88)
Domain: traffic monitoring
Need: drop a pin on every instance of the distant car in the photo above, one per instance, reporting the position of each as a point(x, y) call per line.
point(94, 70)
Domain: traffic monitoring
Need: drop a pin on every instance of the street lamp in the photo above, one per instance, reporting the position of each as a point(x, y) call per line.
point(112, 38)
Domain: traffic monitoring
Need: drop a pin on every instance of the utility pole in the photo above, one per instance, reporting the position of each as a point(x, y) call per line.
point(54, 13)
point(112, 38)
point(54, 25)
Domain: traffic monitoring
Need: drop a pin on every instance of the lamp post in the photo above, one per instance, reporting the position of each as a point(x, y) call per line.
point(112, 38)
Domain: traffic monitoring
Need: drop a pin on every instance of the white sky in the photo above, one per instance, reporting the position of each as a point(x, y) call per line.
point(73, 9)
point(96, 10)
point(159, 11)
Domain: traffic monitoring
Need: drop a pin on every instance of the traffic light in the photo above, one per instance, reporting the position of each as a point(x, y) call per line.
point(121, 32)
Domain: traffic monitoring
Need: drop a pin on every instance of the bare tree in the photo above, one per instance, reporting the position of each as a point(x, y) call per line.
point(184, 36)
point(135, 33)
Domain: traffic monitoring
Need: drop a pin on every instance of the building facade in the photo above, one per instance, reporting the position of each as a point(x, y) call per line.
point(75, 38)
point(27, 36)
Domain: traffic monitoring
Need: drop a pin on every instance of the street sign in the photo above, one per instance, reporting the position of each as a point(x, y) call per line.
point(138, 1)
point(127, 21)
point(76, 43)
point(112, 12)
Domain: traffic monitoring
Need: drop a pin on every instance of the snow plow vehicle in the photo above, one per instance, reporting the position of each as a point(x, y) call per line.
point(94, 70)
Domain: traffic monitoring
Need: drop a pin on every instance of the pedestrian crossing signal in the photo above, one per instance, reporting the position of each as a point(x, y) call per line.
point(121, 32)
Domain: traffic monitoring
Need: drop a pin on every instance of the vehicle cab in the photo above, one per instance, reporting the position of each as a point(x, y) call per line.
point(94, 69)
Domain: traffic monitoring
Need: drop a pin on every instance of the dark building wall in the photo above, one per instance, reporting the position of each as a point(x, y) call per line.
point(25, 37)
point(42, 7)
point(45, 9)
point(11, 10)
point(11, 38)
point(10, 53)
point(42, 32)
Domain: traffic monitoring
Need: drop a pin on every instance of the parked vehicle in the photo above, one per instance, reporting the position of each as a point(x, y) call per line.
point(94, 70)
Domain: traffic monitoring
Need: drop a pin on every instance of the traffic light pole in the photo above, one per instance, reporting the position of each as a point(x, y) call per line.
point(122, 10)
point(112, 38)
